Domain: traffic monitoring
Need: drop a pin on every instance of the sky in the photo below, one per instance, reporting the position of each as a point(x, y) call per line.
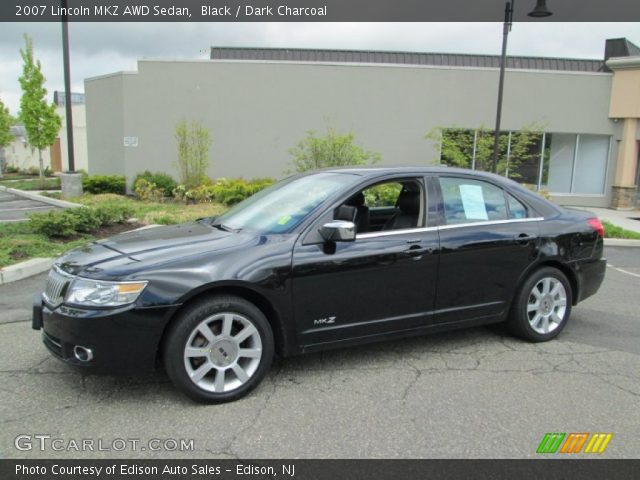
point(102, 48)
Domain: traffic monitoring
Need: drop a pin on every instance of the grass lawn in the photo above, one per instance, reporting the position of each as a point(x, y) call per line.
point(18, 243)
point(613, 231)
point(32, 183)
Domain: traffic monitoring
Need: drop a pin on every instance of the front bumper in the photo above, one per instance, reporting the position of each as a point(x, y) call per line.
point(121, 340)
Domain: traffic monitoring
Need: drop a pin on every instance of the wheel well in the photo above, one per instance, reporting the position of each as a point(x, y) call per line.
point(570, 274)
point(258, 300)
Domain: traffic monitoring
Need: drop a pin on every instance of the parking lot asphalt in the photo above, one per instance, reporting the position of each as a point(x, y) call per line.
point(14, 208)
point(475, 393)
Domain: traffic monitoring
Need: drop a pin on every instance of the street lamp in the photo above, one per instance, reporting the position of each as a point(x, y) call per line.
point(67, 86)
point(540, 11)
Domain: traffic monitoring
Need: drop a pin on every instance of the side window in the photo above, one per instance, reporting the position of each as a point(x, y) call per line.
point(382, 195)
point(467, 201)
point(391, 205)
point(516, 208)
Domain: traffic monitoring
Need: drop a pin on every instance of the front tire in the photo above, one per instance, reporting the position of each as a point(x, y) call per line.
point(542, 306)
point(219, 349)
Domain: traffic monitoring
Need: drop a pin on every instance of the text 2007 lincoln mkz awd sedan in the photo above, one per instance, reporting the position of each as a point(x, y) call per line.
point(328, 259)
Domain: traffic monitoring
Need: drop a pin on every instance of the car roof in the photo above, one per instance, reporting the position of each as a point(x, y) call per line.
point(374, 171)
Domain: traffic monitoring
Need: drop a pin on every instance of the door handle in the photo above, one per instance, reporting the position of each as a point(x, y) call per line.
point(417, 251)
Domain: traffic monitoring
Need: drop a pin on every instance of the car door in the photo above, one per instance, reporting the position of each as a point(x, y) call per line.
point(382, 282)
point(487, 239)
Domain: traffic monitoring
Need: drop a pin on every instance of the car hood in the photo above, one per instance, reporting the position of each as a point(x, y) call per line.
point(132, 251)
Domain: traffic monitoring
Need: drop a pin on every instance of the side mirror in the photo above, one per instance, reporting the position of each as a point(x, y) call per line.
point(338, 231)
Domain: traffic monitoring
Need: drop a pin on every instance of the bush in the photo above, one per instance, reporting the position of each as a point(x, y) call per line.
point(148, 191)
point(163, 181)
point(225, 191)
point(112, 214)
point(86, 219)
point(54, 223)
point(194, 142)
point(104, 184)
point(11, 169)
point(71, 222)
point(382, 195)
point(331, 150)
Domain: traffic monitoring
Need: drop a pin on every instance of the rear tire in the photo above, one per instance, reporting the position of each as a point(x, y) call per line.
point(219, 349)
point(542, 306)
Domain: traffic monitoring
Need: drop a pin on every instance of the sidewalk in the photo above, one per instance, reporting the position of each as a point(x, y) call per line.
point(620, 218)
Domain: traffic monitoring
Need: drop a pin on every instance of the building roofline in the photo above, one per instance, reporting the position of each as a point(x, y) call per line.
point(376, 57)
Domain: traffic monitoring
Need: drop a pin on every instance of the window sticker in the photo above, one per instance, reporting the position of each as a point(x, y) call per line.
point(473, 202)
point(284, 220)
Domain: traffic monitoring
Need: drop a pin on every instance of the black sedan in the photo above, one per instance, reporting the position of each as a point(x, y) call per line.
point(321, 260)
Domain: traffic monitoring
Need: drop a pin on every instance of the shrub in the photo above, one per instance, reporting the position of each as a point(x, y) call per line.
point(225, 191)
point(54, 223)
point(112, 214)
point(331, 150)
point(193, 152)
point(86, 219)
point(104, 184)
point(163, 181)
point(71, 222)
point(382, 195)
point(11, 169)
point(147, 190)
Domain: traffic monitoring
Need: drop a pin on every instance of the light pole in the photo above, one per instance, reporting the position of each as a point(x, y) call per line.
point(540, 11)
point(67, 86)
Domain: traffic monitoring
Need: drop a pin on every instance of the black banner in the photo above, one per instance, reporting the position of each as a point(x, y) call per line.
point(318, 469)
point(311, 10)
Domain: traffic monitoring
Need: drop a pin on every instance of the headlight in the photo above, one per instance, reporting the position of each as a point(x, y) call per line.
point(96, 293)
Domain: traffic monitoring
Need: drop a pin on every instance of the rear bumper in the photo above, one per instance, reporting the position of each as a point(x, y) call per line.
point(122, 340)
point(590, 276)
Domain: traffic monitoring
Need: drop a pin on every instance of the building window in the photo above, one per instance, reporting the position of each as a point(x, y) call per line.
point(558, 162)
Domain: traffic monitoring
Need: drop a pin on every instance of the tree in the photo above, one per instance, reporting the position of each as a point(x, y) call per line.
point(5, 129)
point(456, 147)
point(331, 150)
point(194, 142)
point(6, 121)
point(40, 119)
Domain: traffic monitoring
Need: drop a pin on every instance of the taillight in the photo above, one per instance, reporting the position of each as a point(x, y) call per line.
point(596, 224)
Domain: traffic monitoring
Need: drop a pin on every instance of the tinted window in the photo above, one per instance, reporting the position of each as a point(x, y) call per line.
point(516, 208)
point(284, 205)
point(467, 200)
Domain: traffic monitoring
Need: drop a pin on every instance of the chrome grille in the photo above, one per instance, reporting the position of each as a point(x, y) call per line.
point(57, 283)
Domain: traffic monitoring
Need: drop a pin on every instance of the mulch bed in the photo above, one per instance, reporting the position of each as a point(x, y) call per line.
point(110, 230)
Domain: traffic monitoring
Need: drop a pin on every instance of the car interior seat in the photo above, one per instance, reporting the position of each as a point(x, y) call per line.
point(407, 217)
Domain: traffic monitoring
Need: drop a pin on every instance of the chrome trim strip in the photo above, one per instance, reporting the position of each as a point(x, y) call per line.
point(491, 222)
point(444, 227)
point(395, 232)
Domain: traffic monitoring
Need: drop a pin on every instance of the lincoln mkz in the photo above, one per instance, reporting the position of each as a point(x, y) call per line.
point(333, 258)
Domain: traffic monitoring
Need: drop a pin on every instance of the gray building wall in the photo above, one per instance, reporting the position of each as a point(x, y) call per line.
point(256, 111)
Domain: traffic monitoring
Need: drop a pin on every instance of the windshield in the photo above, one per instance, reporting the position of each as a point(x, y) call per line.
point(284, 205)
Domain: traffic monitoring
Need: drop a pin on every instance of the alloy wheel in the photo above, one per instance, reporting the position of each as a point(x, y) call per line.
point(547, 305)
point(223, 352)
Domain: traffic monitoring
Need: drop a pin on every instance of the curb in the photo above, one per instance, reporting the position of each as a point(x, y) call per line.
point(34, 266)
point(621, 242)
point(25, 269)
point(40, 198)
